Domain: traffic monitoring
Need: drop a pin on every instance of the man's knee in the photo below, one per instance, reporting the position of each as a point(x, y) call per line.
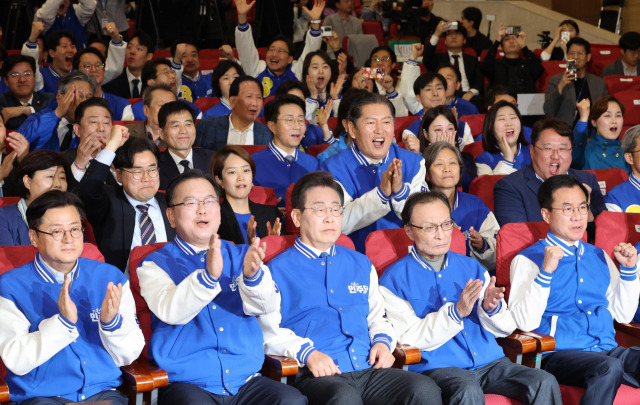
point(608, 367)
point(420, 389)
point(460, 390)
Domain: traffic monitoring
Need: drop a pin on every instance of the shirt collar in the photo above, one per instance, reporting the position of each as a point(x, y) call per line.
point(187, 248)
point(152, 202)
point(22, 208)
point(365, 161)
point(29, 102)
point(280, 154)
point(225, 102)
point(416, 256)
point(634, 181)
point(231, 127)
point(53, 72)
point(552, 240)
point(193, 79)
point(130, 75)
point(311, 252)
point(178, 159)
point(51, 275)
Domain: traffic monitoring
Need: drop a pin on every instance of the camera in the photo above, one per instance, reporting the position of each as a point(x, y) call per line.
point(515, 30)
point(327, 31)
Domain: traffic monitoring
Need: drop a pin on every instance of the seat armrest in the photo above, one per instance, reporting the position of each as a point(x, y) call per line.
point(546, 343)
point(137, 377)
point(405, 355)
point(526, 347)
point(279, 367)
point(4, 391)
point(627, 334)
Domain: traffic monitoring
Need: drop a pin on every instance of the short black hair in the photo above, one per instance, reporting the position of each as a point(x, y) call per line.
point(92, 102)
point(13, 60)
point(284, 39)
point(489, 142)
point(220, 71)
point(343, 110)
point(448, 65)
point(461, 29)
point(424, 79)
point(189, 41)
point(424, 197)
point(147, 93)
point(145, 40)
point(500, 90)
point(571, 23)
point(309, 181)
point(288, 85)
point(174, 107)
point(553, 183)
point(134, 145)
point(272, 108)
point(149, 70)
point(325, 57)
point(78, 55)
point(188, 175)
point(53, 40)
point(579, 41)
point(474, 15)
point(355, 109)
point(37, 160)
point(387, 48)
point(234, 89)
point(561, 127)
point(50, 200)
point(629, 41)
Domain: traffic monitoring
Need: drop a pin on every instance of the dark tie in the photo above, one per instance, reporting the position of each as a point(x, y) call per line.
point(323, 255)
point(136, 92)
point(185, 164)
point(147, 233)
point(289, 158)
point(456, 62)
point(376, 164)
point(66, 141)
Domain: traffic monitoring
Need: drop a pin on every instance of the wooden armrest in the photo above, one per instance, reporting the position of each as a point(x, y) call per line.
point(276, 367)
point(629, 328)
point(525, 347)
point(518, 343)
point(627, 334)
point(546, 343)
point(4, 391)
point(405, 355)
point(137, 377)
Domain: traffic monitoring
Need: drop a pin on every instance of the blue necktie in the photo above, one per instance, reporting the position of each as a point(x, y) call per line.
point(147, 232)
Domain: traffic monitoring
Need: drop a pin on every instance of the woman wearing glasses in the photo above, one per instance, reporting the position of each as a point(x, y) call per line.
point(39, 172)
point(443, 163)
point(241, 219)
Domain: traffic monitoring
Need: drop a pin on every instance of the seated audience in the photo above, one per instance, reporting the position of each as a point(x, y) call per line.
point(566, 90)
point(452, 76)
point(471, 19)
point(515, 195)
point(501, 92)
point(376, 175)
point(505, 145)
point(344, 355)
point(444, 166)
point(627, 65)
point(456, 339)
point(241, 219)
point(343, 22)
point(512, 70)
point(557, 48)
point(596, 137)
point(240, 126)
point(279, 64)
point(571, 289)
point(63, 344)
point(153, 98)
point(195, 84)
point(62, 15)
point(130, 215)
point(205, 335)
point(223, 75)
point(52, 128)
point(177, 122)
point(282, 163)
point(139, 50)
point(41, 171)
point(625, 197)
point(21, 100)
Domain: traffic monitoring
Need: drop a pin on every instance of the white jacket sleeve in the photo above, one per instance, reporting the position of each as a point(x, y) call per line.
point(410, 72)
point(364, 210)
point(378, 323)
point(32, 49)
point(258, 293)
point(488, 231)
point(530, 288)
point(84, 10)
point(176, 304)
point(503, 167)
point(247, 51)
point(47, 13)
point(311, 44)
point(622, 294)
point(114, 65)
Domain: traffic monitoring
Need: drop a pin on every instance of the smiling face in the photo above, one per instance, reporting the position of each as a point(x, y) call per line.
point(432, 95)
point(143, 189)
point(62, 56)
point(225, 81)
point(278, 57)
point(569, 229)
point(320, 232)
point(507, 126)
point(198, 224)
point(60, 255)
point(179, 133)
point(95, 121)
point(53, 178)
point(373, 132)
point(433, 213)
point(555, 161)
point(248, 103)
point(382, 60)
point(21, 86)
point(237, 178)
point(444, 172)
point(609, 124)
point(90, 63)
point(289, 128)
point(441, 125)
point(319, 73)
point(159, 98)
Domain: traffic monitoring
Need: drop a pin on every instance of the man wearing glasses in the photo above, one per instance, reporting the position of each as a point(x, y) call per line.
point(329, 313)
point(68, 322)
point(205, 334)
point(282, 163)
point(21, 100)
point(130, 215)
point(551, 144)
point(456, 323)
point(572, 290)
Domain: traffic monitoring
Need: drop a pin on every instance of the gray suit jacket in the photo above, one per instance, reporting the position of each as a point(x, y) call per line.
point(563, 106)
point(615, 69)
point(139, 130)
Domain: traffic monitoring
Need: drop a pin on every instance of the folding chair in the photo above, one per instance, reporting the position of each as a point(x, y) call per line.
point(610, 15)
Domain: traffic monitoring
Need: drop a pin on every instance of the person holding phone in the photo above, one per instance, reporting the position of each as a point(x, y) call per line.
point(557, 49)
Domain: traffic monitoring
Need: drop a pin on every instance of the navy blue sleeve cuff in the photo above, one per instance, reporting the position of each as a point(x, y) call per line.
point(244, 27)
point(382, 338)
point(255, 280)
point(115, 324)
point(304, 353)
point(495, 310)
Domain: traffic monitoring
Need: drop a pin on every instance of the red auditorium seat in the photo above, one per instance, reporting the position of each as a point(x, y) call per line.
point(374, 28)
point(474, 148)
point(204, 103)
point(263, 195)
point(602, 55)
point(609, 178)
point(252, 148)
point(403, 123)
point(475, 122)
point(315, 150)
point(483, 187)
point(618, 83)
point(551, 68)
point(631, 101)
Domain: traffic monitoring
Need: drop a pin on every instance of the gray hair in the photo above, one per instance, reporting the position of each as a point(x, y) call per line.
point(65, 81)
point(629, 139)
point(430, 154)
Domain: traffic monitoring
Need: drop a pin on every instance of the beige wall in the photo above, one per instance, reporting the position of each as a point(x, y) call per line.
point(631, 16)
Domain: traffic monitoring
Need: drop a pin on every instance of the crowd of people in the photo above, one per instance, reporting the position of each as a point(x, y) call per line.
point(105, 142)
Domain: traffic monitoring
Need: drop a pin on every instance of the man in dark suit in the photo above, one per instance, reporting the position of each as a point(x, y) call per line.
point(129, 84)
point(133, 214)
point(21, 100)
point(153, 98)
point(471, 78)
point(177, 125)
point(629, 64)
point(516, 195)
point(239, 127)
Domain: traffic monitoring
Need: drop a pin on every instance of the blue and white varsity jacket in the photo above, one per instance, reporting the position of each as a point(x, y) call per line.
point(624, 197)
point(495, 163)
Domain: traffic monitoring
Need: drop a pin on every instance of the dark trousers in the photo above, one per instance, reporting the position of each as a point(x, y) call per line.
point(601, 373)
point(501, 377)
point(371, 386)
point(116, 398)
point(257, 391)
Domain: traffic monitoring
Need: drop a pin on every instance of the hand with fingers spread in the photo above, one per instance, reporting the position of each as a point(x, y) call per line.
point(88, 147)
point(243, 8)
point(325, 112)
point(254, 257)
point(66, 307)
point(315, 13)
point(336, 88)
point(321, 365)
point(626, 254)
point(67, 100)
point(275, 229)
point(380, 356)
point(492, 295)
point(469, 297)
point(214, 257)
point(111, 303)
point(477, 242)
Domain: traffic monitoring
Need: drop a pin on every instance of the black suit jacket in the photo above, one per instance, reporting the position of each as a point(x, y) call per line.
point(112, 217)
point(212, 133)
point(119, 86)
point(169, 169)
point(471, 66)
point(40, 101)
point(230, 230)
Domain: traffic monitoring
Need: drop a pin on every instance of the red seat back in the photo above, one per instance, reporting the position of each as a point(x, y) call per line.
point(631, 101)
point(609, 178)
point(386, 246)
point(133, 101)
point(403, 123)
point(618, 83)
point(315, 150)
point(615, 227)
point(474, 148)
point(483, 187)
point(277, 244)
point(4, 201)
point(16, 256)
point(333, 123)
point(551, 68)
point(373, 28)
point(602, 55)
point(475, 122)
point(263, 195)
point(204, 103)
point(289, 225)
point(252, 148)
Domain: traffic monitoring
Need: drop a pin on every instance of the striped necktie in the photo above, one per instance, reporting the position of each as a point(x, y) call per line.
point(147, 233)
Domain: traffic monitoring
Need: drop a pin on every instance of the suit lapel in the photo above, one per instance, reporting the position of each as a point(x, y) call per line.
point(532, 181)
